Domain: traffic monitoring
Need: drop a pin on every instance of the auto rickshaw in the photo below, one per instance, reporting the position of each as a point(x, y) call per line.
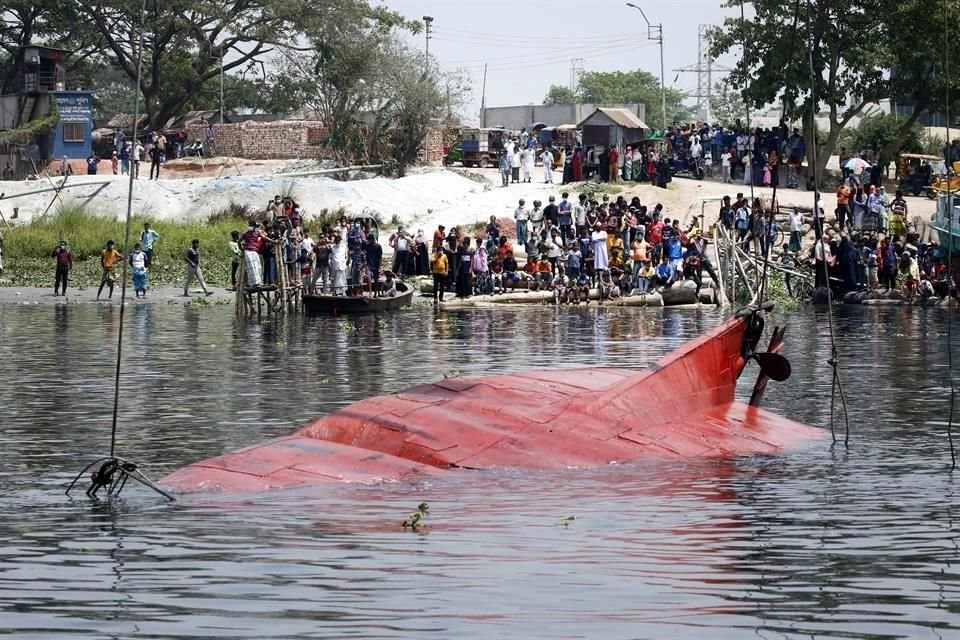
point(946, 182)
point(918, 173)
point(557, 138)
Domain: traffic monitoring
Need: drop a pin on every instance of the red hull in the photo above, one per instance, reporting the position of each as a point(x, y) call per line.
point(683, 406)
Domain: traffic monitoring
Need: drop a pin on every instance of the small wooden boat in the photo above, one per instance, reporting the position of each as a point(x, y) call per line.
point(351, 305)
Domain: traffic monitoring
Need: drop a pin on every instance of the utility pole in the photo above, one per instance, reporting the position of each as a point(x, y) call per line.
point(428, 20)
point(655, 33)
point(576, 70)
point(483, 99)
point(704, 69)
point(221, 85)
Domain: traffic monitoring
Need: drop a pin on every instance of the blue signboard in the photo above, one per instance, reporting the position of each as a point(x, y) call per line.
point(73, 135)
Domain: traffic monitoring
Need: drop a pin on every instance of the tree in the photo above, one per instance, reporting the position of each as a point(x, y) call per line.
point(640, 86)
point(185, 39)
point(849, 61)
point(558, 94)
point(374, 93)
point(48, 22)
point(881, 132)
point(727, 104)
point(919, 74)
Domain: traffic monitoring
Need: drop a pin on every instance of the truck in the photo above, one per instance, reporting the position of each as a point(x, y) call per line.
point(482, 147)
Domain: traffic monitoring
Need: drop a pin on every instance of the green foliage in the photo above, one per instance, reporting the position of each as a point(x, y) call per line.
point(623, 87)
point(727, 104)
point(416, 520)
point(28, 247)
point(558, 94)
point(25, 133)
point(774, 67)
point(327, 217)
point(596, 87)
point(235, 212)
point(878, 132)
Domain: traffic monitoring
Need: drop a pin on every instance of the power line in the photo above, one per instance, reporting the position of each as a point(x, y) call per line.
point(565, 58)
point(535, 47)
point(507, 37)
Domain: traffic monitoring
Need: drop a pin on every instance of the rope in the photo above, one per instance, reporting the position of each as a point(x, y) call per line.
point(126, 241)
point(752, 151)
point(836, 384)
point(951, 312)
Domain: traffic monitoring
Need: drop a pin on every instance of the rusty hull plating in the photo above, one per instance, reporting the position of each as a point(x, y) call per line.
point(682, 406)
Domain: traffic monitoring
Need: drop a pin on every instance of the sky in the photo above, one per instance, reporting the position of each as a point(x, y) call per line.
point(528, 44)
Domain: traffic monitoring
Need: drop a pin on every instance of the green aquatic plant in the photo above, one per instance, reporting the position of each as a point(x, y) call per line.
point(416, 520)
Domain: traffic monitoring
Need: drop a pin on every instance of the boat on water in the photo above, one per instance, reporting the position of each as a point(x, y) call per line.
point(945, 224)
point(683, 406)
point(314, 304)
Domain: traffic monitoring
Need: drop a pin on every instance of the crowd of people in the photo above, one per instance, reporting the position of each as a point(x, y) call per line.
point(617, 247)
point(345, 259)
point(154, 148)
point(729, 152)
point(140, 260)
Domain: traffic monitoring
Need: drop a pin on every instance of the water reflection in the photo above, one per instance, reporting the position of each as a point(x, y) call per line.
point(857, 542)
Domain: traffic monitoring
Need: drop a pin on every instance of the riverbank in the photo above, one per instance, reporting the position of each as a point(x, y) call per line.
point(13, 295)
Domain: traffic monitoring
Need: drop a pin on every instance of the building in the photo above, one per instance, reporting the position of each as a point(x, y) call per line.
point(612, 128)
point(42, 84)
point(552, 115)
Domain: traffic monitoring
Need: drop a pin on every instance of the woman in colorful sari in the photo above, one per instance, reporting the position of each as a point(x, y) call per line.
point(577, 163)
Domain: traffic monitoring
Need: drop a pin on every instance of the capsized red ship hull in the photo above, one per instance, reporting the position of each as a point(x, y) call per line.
point(682, 406)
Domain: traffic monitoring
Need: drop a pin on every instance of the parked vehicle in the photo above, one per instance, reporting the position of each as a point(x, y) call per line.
point(556, 138)
point(452, 154)
point(482, 147)
point(918, 172)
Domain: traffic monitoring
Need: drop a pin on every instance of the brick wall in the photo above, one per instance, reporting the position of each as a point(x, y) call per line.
point(285, 139)
point(266, 140)
point(434, 144)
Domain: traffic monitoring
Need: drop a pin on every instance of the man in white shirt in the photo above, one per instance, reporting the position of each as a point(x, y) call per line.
point(527, 161)
point(726, 160)
point(307, 242)
point(547, 159)
point(696, 149)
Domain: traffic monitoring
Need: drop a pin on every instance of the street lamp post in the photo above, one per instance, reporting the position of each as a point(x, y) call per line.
point(655, 33)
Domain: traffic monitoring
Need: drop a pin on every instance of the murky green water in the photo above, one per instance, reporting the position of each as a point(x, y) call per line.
point(823, 542)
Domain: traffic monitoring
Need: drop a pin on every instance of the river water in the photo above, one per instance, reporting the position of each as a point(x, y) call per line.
point(824, 542)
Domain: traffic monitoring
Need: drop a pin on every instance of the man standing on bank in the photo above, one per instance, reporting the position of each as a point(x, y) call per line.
point(192, 258)
point(64, 265)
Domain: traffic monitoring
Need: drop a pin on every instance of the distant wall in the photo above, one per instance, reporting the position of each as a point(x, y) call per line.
point(284, 139)
point(553, 115)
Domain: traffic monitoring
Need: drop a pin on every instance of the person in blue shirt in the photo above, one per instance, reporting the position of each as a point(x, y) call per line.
point(147, 237)
point(675, 254)
point(666, 275)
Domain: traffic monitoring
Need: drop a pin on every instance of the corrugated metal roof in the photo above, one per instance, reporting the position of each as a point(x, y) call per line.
point(623, 117)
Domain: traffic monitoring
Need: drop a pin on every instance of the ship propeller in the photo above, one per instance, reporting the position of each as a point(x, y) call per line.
point(773, 365)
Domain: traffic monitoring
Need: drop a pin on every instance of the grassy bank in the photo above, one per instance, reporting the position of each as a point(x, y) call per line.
point(28, 248)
